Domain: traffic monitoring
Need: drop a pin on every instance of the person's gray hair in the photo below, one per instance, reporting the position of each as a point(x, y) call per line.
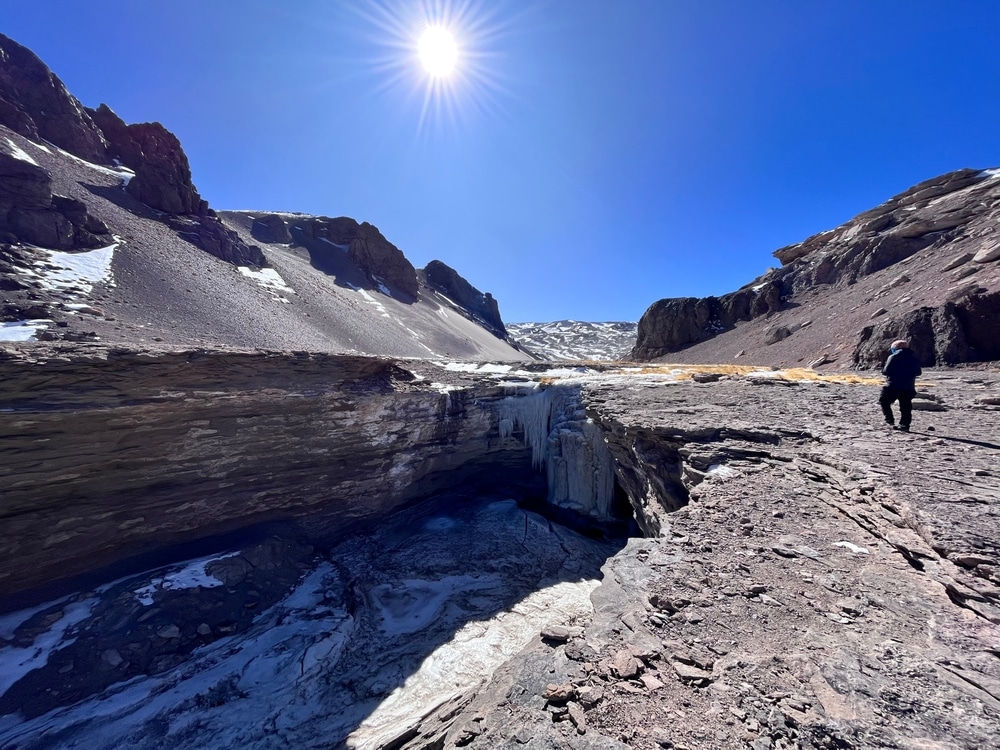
point(900, 344)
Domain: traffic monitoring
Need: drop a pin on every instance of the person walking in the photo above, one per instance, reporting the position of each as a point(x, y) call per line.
point(901, 371)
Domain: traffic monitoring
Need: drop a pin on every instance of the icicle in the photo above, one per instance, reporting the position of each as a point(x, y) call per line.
point(530, 413)
point(578, 464)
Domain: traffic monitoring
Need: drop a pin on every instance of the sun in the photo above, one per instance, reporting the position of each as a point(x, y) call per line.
point(438, 51)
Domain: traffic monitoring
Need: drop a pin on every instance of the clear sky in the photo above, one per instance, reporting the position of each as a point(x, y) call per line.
point(585, 158)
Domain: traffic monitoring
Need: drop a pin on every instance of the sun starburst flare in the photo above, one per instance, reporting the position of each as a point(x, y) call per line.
point(442, 56)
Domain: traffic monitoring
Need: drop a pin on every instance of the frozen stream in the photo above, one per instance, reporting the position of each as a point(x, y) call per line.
point(276, 645)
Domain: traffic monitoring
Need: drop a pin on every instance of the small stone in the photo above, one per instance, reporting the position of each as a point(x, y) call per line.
point(688, 673)
point(559, 693)
point(651, 682)
point(590, 696)
point(850, 607)
point(555, 634)
point(112, 658)
point(204, 629)
point(784, 552)
point(577, 717)
point(625, 665)
point(169, 631)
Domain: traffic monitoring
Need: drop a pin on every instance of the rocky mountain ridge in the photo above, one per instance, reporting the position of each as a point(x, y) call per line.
point(98, 220)
point(921, 266)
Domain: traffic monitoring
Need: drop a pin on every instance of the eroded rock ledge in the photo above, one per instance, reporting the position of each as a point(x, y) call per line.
point(109, 452)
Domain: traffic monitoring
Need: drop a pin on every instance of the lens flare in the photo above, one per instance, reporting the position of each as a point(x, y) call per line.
point(438, 51)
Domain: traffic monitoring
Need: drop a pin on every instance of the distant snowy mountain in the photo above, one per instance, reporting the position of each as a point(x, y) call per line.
point(575, 340)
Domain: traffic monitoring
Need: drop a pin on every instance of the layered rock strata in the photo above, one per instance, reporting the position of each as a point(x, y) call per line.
point(107, 452)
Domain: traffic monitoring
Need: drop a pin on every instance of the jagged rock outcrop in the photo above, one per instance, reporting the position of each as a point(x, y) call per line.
point(270, 228)
point(942, 226)
point(30, 213)
point(481, 306)
point(212, 236)
point(378, 258)
point(162, 174)
point(36, 104)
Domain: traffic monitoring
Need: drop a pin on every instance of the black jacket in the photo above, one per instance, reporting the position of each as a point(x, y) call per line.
point(901, 370)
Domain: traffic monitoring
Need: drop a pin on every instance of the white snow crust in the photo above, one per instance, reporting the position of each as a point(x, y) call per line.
point(18, 153)
point(269, 280)
point(76, 272)
point(22, 330)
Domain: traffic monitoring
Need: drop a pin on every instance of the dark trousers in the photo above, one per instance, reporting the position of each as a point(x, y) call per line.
point(905, 397)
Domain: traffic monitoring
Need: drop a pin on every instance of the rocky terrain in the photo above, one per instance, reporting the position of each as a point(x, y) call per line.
point(104, 237)
point(574, 340)
point(796, 578)
point(924, 265)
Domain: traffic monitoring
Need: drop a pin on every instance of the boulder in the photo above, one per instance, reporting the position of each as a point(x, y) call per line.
point(989, 251)
point(36, 104)
point(671, 324)
point(936, 335)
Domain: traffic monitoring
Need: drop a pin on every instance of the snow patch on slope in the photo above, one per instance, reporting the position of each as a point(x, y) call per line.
point(18, 153)
point(75, 272)
point(269, 280)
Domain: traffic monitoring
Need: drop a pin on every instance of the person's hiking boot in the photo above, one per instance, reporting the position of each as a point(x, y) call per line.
point(904, 427)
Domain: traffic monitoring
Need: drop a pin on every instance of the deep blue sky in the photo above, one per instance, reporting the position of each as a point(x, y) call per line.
point(590, 158)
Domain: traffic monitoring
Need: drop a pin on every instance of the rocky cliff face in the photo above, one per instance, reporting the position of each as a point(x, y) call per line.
point(36, 104)
point(162, 174)
point(113, 452)
point(923, 265)
point(30, 213)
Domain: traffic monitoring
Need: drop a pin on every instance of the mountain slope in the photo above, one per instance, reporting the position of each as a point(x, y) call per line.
point(922, 266)
point(103, 236)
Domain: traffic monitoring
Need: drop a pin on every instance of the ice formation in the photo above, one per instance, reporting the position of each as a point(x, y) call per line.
point(566, 443)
